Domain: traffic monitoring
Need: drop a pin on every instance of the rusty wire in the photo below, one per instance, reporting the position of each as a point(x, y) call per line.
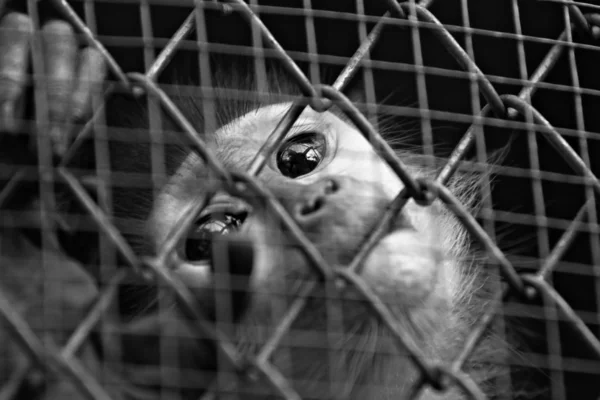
point(320, 98)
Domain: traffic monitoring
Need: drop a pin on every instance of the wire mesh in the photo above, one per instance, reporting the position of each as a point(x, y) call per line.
point(489, 106)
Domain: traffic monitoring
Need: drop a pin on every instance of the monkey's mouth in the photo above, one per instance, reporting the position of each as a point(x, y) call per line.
point(383, 233)
point(400, 222)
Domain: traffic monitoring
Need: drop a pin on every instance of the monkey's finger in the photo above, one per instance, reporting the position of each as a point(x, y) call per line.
point(91, 74)
point(15, 35)
point(60, 57)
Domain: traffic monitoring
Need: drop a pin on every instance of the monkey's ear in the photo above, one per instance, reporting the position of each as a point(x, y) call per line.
point(356, 92)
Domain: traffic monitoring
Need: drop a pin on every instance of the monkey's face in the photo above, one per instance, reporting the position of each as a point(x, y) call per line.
point(334, 185)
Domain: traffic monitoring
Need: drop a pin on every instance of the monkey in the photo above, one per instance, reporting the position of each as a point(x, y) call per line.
point(334, 185)
point(330, 179)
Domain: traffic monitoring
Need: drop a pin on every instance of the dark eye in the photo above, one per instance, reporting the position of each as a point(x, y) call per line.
point(198, 244)
point(301, 154)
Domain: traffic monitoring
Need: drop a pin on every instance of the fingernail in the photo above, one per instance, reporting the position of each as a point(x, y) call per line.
point(8, 122)
point(59, 138)
point(91, 74)
point(15, 34)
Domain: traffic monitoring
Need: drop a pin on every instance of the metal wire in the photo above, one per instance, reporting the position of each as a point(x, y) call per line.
point(319, 97)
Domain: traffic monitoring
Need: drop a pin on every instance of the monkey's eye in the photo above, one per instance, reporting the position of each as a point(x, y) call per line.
point(301, 154)
point(198, 245)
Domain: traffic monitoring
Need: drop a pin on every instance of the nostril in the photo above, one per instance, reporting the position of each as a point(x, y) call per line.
point(331, 186)
point(312, 206)
point(316, 197)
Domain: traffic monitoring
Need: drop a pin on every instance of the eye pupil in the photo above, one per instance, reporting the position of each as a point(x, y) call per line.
point(198, 246)
point(301, 154)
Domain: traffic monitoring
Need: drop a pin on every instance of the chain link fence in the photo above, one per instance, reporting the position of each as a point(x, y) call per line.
point(71, 363)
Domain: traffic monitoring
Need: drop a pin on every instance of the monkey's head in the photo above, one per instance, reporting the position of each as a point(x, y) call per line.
point(326, 174)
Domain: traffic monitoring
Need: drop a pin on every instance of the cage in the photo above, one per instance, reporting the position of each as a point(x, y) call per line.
point(496, 97)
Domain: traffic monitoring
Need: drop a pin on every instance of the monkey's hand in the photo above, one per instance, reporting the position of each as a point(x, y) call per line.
point(65, 76)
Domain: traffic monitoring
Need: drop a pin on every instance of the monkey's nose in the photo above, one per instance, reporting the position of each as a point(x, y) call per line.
point(315, 198)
